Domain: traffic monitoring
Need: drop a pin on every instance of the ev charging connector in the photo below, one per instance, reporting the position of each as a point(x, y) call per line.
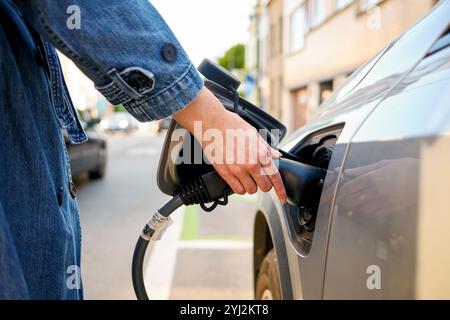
point(190, 185)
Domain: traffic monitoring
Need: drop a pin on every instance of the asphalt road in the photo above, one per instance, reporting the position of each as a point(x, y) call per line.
point(201, 256)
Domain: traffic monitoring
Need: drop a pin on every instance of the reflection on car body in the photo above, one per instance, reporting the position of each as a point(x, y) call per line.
point(384, 200)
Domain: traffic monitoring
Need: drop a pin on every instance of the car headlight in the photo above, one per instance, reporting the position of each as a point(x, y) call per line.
point(123, 124)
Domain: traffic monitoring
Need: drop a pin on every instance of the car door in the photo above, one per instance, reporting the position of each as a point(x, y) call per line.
point(390, 220)
point(351, 106)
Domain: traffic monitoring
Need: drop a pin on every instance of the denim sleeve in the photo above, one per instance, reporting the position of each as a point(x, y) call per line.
point(125, 47)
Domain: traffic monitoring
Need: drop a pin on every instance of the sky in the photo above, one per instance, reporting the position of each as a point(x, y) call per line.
point(207, 28)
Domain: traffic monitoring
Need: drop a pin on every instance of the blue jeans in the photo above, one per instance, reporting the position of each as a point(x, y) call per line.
point(133, 58)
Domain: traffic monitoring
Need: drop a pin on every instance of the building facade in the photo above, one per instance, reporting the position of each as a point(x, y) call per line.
point(308, 47)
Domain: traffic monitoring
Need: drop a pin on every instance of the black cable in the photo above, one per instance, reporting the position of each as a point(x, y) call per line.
point(136, 269)
point(137, 273)
point(210, 187)
point(172, 205)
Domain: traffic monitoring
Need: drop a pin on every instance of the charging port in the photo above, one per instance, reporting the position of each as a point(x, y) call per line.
point(315, 150)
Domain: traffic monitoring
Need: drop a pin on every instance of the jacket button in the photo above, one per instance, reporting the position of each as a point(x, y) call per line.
point(169, 52)
point(59, 196)
point(72, 189)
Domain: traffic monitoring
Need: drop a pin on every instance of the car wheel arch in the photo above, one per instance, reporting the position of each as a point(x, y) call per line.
point(265, 231)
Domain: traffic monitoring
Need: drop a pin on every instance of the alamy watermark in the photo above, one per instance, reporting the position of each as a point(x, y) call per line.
point(373, 21)
point(73, 281)
point(373, 281)
point(73, 21)
point(234, 146)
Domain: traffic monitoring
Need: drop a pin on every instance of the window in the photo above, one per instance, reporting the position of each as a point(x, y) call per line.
point(300, 109)
point(442, 43)
point(341, 4)
point(297, 29)
point(326, 89)
point(317, 11)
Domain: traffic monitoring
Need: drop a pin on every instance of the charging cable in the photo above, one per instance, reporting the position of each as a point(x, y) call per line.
point(303, 183)
point(208, 188)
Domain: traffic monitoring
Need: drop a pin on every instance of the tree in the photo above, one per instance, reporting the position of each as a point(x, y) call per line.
point(234, 58)
point(119, 108)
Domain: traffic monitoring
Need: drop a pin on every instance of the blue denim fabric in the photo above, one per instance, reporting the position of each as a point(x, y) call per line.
point(114, 36)
point(40, 237)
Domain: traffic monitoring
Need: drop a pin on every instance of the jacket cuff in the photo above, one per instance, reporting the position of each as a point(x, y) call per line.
point(144, 105)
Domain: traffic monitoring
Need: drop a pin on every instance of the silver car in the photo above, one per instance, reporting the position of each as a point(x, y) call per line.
point(381, 229)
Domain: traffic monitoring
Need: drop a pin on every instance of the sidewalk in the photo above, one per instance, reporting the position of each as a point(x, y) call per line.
point(213, 257)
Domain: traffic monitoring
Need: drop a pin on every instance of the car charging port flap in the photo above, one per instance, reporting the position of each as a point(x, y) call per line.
point(315, 153)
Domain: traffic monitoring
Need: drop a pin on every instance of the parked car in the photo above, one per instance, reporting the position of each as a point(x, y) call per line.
point(381, 228)
point(119, 122)
point(88, 157)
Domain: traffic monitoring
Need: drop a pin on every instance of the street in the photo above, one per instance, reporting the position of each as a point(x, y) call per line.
point(201, 256)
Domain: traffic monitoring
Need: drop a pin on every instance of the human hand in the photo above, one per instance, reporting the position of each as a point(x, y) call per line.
point(235, 148)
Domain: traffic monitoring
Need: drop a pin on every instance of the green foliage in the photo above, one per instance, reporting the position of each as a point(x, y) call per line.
point(234, 58)
point(80, 114)
point(119, 108)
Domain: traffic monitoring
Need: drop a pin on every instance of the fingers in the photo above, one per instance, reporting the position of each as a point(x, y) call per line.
point(268, 172)
point(230, 179)
point(275, 178)
point(263, 182)
point(235, 185)
point(278, 185)
point(254, 169)
point(266, 153)
point(253, 177)
point(249, 184)
point(275, 153)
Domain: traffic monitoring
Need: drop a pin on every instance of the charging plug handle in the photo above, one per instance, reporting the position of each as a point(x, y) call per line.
point(210, 187)
point(303, 182)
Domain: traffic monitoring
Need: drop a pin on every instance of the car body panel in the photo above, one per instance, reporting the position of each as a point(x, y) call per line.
point(274, 229)
point(393, 216)
point(86, 156)
point(354, 104)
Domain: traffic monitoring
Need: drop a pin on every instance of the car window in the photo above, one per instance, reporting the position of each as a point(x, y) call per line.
point(398, 57)
point(355, 78)
point(410, 48)
point(441, 44)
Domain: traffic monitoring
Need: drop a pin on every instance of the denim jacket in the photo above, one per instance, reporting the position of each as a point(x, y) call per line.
point(133, 58)
point(125, 47)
